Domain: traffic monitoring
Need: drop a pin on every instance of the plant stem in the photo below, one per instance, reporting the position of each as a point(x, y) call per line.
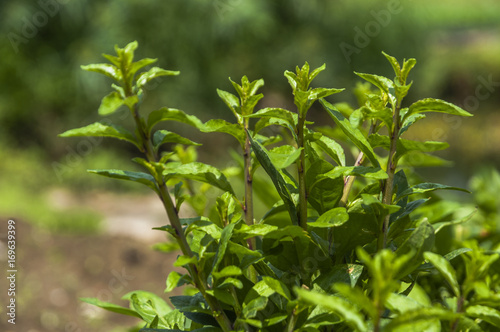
point(248, 208)
point(292, 321)
point(391, 170)
point(349, 180)
point(301, 173)
point(247, 158)
point(173, 216)
point(460, 303)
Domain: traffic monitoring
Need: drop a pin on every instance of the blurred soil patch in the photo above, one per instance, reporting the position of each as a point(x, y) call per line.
point(55, 270)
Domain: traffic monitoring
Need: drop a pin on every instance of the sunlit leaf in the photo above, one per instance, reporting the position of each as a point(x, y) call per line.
point(340, 307)
point(355, 135)
point(447, 271)
point(153, 73)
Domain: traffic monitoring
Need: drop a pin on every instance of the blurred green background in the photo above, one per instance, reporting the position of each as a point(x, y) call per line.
point(44, 92)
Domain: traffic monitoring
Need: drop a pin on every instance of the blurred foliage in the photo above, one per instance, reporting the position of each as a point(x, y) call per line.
point(46, 41)
point(208, 41)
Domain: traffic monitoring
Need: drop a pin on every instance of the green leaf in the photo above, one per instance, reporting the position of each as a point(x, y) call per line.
point(222, 126)
point(245, 256)
point(228, 271)
point(110, 307)
point(394, 63)
point(329, 146)
point(490, 315)
point(284, 155)
point(440, 225)
point(230, 282)
point(153, 73)
point(278, 286)
point(338, 306)
point(323, 193)
point(172, 281)
point(223, 243)
point(279, 183)
point(380, 208)
point(346, 273)
point(171, 114)
point(277, 113)
point(405, 146)
point(449, 256)
point(419, 241)
point(412, 317)
point(407, 66)
point(356, 296)
point(137, 66)
point(435, 105)
point(447, 271)
point(110, 103)
point(232, 102)
point(410, 120)
point(200, 172)
point(383, 83)
point(185, 260)
point(334, 217)
point(365, 171)
point(161, 137)
point(355, 135)
point(150, 307)
point(318, 93)
point(105, 69)
point(426, 187)
point(139, 177)
point(417, 159)
point(251, 309)
point(102, 129)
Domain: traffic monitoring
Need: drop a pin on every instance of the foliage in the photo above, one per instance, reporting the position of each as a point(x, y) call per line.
point(342, 247)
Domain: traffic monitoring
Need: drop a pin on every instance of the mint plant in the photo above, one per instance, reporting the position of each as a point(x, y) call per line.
point(341, 248)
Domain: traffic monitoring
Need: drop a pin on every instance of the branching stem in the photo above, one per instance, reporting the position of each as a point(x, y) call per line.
point(301, 173)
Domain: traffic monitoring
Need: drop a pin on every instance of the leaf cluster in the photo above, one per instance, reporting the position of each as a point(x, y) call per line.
point(341, 247)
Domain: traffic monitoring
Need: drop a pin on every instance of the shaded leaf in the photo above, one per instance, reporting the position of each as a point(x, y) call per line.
point(447, 271)
point(355, 135)
point(334, 217)
point(279, 183)
point(139, 177)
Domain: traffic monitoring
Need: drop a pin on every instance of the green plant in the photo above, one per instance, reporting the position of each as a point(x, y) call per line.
point(341, 247)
